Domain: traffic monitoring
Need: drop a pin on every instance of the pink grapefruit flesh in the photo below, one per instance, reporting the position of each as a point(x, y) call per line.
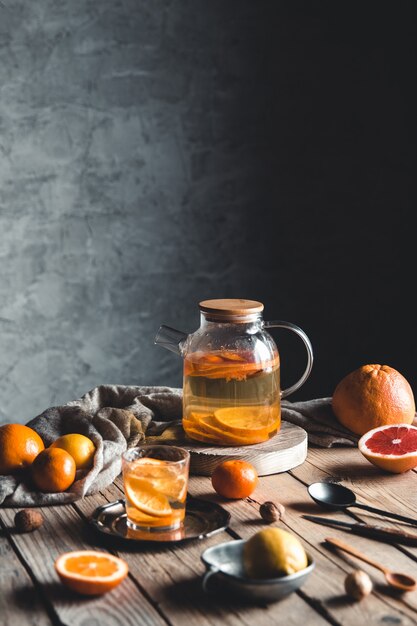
point(391, 447)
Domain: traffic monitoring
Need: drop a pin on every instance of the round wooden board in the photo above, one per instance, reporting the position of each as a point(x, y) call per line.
point(287, 449)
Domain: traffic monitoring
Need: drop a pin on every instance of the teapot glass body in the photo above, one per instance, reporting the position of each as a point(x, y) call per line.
point(231, 382)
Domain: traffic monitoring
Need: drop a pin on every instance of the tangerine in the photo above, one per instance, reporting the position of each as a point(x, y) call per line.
point(80, 447)
point(19, 445)
point(90, 572)
point(373, 396)
point(53, 470)
point(234, 478)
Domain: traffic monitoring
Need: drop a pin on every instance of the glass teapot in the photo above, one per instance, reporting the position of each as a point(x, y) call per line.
point(231, 385)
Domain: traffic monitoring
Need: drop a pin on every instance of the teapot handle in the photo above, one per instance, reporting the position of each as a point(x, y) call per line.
point(298, 331)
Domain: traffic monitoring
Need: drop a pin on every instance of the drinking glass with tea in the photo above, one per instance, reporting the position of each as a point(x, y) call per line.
point(155, 480)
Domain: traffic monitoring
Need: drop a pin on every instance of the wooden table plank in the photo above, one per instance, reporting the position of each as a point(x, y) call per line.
point(164, 586)
point(172, 577)
point(325, 587)
point(372, 486)
point(395, 492)
point(20, 600)
point(63, 530)
point(400, 558)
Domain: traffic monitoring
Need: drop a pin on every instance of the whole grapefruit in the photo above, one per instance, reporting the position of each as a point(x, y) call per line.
point(373, 396)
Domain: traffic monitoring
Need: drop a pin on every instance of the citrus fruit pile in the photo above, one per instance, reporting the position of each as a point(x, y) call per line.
point(52, 469)
point(273, 552)
point(90, 572)
point(234, 479)
point(377, 403)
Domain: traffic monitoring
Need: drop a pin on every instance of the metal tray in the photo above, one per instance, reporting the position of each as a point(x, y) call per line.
point(202, 519)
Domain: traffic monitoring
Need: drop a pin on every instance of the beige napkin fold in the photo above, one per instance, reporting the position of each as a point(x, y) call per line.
point(117, 417)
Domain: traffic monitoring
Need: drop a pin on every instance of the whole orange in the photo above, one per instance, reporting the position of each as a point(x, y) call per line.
point(80, 447)
point(234, 478)
point(53, 470)
point(373, 396)
point(19, 445)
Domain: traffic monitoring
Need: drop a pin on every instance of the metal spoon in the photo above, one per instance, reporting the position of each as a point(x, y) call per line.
point(334, 496)
point(395, 579)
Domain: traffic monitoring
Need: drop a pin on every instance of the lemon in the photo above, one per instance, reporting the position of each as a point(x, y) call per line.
point(273, 552)
point(80, 447)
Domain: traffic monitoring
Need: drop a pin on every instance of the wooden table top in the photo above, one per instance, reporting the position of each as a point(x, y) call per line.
point(164, 585)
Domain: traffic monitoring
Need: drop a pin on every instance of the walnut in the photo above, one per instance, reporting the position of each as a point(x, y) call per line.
point(271, 512)
point(358, 584)
point(27, 520)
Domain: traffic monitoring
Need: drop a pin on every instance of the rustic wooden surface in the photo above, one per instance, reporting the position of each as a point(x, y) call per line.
point(164, 584)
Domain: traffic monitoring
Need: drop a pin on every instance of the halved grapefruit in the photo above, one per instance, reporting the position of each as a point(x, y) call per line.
point(392, 447)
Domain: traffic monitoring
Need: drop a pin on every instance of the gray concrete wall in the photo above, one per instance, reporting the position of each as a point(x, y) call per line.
point(128, 155)
point(154, 153)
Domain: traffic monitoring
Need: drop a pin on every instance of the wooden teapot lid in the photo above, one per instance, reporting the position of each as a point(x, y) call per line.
point(230, 308)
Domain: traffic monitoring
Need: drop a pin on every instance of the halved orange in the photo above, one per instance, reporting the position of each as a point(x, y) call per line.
point(90, 572)
point(144, 497)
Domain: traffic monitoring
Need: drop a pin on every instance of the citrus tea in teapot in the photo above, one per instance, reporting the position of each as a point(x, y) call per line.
point(231, 382)
point(231, 398)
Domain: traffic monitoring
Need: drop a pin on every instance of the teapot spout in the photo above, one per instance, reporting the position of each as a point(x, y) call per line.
point(171, 339)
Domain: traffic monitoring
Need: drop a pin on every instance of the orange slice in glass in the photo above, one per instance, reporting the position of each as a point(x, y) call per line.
point(162, 477)
point(145, 498)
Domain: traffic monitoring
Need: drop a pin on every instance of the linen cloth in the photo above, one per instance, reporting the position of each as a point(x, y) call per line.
point(117, 417)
